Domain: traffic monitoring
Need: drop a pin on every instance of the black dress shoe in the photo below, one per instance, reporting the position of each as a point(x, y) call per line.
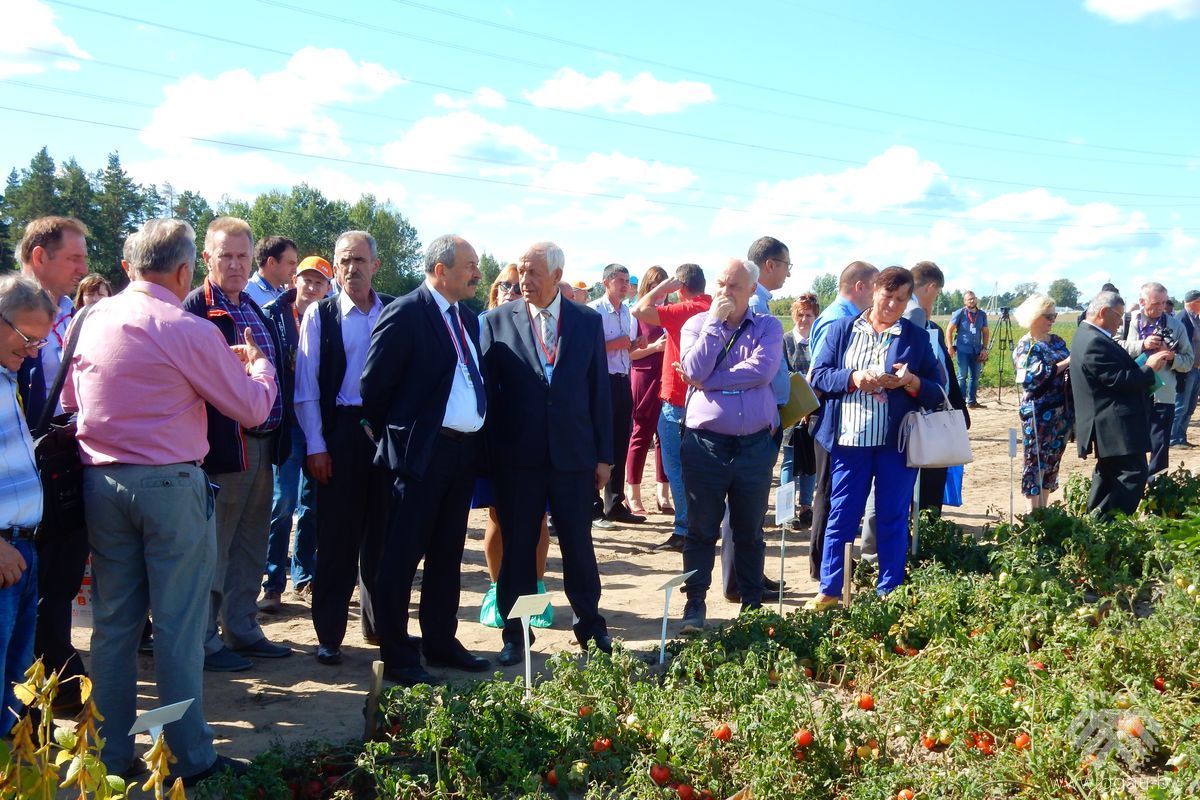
point(624, 515)
point(409, 676)
point(603, 643)
point(234, 765)
point(329, 655)
point(458, 658)
point(511, 653)
point(771, 585)
point(674, 543)
point(767, 595)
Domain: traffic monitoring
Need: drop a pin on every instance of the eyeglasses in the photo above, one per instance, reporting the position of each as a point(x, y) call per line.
point(1053, 315)
point(787, 264)
point(30, 344)
point(507, 287)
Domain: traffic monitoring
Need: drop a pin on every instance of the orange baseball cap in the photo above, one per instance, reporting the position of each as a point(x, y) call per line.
point(580, 285)
point(316, 264)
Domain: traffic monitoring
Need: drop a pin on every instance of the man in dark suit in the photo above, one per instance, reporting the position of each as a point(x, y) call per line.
point(423, 394)
point(547, 372)
point(1112, 407)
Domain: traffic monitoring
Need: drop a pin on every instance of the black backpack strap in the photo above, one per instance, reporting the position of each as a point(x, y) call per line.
point(68, 352)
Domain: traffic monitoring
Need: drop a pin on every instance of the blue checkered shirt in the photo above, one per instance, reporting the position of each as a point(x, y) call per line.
point(20, 488)
point(245, 316)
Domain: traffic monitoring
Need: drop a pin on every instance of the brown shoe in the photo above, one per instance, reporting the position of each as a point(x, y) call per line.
point(271, 603)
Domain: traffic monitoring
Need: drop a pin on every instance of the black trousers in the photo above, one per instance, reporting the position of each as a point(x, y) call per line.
point(622, 413)
point(933, 488)
point(1162, 419)
point(1118, 484)
point(428, 520)
point(820, 510)
point(351, 519)
point(61, 560)
point(521, 497)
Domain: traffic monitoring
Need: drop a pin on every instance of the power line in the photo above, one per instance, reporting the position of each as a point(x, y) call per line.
point(477, 179)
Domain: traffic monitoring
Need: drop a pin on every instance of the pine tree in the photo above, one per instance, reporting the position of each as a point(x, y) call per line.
point(119, 206)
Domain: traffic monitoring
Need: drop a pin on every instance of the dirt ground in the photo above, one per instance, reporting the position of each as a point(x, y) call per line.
point(296, 698)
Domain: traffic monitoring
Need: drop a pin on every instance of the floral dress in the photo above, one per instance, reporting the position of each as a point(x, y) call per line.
point(1046, 416)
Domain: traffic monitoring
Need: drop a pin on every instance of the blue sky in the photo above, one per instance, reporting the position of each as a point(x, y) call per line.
point(1009, 142)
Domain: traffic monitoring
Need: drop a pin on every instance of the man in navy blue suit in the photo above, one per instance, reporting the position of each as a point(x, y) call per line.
point(424, 397)
point(547, 371)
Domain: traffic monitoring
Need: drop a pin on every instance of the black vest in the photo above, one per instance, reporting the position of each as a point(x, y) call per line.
point(331, 370)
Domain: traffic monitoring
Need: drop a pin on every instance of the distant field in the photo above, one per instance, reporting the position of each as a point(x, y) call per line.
point(1065, 327)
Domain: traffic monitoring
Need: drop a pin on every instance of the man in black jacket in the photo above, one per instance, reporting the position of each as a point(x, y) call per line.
point(240, 460)
point(352, 493)
point(547, 372)
point(424, 395)
point(1112, 407)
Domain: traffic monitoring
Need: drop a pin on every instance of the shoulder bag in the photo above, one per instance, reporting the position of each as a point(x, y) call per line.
point(935, 438)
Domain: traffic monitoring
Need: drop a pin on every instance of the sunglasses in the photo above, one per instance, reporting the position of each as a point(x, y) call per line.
point(30, 344)
point(1053, 315)
point(507, 287)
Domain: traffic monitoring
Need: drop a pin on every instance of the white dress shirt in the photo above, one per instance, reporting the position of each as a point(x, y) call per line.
point(461, 413)
point(555, 309)
point(618, 322)
point(356, 339)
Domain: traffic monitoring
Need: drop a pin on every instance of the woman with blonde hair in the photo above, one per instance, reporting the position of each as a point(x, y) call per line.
point(1041, 359)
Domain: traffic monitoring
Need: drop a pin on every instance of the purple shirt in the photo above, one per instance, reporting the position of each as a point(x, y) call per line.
point(735, 398)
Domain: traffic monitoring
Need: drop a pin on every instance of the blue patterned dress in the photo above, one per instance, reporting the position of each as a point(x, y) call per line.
point(1046, 416)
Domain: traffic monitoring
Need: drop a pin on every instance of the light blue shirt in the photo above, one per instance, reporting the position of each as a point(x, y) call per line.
point(260, 290)
point(781, 384)
point(840, 308)
point(20, 487)
point(617, 322)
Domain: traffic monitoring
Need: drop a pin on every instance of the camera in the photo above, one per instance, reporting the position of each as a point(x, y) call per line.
point(1168, 336)
point(1004, 313)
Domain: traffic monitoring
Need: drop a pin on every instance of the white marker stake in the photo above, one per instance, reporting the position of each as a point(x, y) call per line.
point(785, 512)
point(916, 516)
point(667, 588)
point(1012, 455)
point(526, 607)
point(152, 722)
point(848, 573)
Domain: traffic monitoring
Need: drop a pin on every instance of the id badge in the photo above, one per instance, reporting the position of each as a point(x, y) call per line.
point(1020, 377)
point(466, 373)
point(548, 369)
point(971, 327)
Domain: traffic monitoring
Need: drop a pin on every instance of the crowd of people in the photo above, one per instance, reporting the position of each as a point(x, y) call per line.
point(282, 420)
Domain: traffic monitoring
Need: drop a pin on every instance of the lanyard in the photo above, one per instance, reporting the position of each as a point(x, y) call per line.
point(537, 334)
point(59, 323)
point(971, 316)
point(462, 357)
point(296, 316)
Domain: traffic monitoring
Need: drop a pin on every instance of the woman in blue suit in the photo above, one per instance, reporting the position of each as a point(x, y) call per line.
point(872, 370)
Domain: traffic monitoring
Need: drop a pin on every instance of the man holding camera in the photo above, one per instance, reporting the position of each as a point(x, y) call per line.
point(1147, 331)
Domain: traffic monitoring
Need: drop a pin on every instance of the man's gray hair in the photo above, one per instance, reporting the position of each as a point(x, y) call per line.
point(1102, 301)
point(1153, 286)
point(440, 251)
point(361, 236)
point(750, 267)
point(555, 257)
point(613, 269)
point(160, 246)
point(18, 293)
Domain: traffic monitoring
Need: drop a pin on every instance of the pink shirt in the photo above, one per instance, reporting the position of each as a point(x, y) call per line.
point(141, 373)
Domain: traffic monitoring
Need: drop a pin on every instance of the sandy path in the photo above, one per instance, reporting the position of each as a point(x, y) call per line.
point(296, 698)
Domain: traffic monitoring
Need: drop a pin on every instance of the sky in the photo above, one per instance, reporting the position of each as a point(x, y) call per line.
point(1009, 142)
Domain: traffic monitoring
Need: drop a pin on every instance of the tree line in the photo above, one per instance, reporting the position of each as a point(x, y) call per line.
point(113, 205)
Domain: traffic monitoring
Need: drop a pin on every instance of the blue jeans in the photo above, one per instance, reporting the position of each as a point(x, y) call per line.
point(670, 441)
point(804, 483)
point(968, 374)
point(294, 494)
point(852, 471)
point(18, 618)
point(1185, 406)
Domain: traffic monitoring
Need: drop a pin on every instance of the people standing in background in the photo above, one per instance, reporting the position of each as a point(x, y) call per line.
point(969, 341)
point(53, 253)
point(650, 308)
point(1041, 364)
point(1148, 330)
point(240, 459)
point(276, 257)
point(294, 494)
point(799, 464)
point(1189, 388)
point(92, 289)
point(646, 380)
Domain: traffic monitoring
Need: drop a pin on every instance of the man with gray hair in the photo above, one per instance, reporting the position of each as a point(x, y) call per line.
point(352, 492)
point(425, 394)
point(1150, 329)
point(142, 372)
point(28, 316)
point(620, 335)
point(1112, 408)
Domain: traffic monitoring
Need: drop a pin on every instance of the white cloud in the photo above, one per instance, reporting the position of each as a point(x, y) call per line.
point(601, 172)
point(1034, 205)
point(448, 143)
point(609, 215)
point(1137, 10)
point(484, 97)
point(641, 94)
point(275, 107)
point(31, 25)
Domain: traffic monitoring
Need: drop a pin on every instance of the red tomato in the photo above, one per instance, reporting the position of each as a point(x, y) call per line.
point(1160, 683)
point(866, 702)
point(660, 774)
point(722, 733)
point(798, 753)
point(905, 794)
point(552, 777)
point(585, 711)
point(808, 673)
point(1009, 683)
point(685, 792)
point(898, 649)
point(929, 743)
point(1022, 741)
point(1036, 666)
point(601, 744)
point(770, 633)
point(803, 737)
point(911, 651)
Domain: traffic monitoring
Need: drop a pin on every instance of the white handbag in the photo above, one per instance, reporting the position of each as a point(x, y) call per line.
point(935, 438)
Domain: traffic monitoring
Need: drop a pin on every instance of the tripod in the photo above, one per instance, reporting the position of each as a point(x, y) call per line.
point(1004, 342)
